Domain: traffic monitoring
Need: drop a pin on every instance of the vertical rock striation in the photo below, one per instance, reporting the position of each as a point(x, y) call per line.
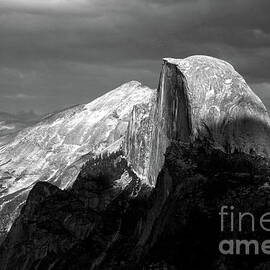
point(172, 119)
point(138, 141)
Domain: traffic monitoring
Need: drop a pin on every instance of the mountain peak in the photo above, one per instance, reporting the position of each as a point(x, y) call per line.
point(129, 85)
point(199, 61)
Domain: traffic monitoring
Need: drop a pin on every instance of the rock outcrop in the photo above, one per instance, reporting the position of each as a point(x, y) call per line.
point(138, 141)
point(203, 96)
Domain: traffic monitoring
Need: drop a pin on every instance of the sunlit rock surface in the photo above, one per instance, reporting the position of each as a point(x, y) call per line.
point(205, 96)
point(138, 141)
point(55, 148)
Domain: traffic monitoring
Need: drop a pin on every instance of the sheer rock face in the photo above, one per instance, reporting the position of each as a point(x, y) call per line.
point(205, 96)
point(138, 141)
point(55, 148)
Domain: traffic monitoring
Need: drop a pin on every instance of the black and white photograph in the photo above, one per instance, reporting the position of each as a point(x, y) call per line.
point(134, 134)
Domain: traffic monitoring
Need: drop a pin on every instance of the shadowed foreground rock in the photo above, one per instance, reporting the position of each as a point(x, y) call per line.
point(174, 226)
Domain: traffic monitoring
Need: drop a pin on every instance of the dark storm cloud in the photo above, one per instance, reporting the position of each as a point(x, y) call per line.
point(71, 51)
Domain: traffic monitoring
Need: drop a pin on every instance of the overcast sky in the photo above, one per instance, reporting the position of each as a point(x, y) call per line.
point(55, 53)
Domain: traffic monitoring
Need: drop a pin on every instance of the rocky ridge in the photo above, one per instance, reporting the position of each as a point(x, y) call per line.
point(55, 148)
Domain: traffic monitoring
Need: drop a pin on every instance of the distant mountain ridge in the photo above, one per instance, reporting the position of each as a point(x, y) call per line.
point(12, 123)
